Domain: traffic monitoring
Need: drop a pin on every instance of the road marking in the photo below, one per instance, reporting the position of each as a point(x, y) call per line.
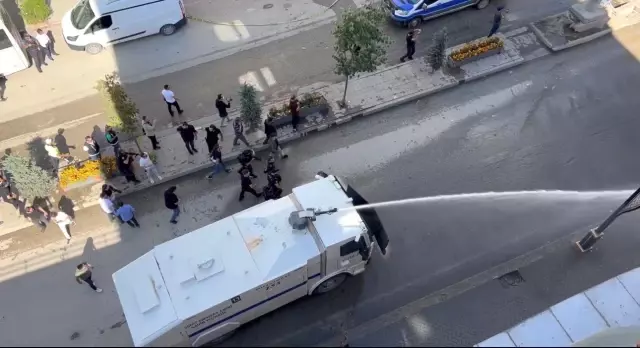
point(251, 78)
point(268, 76)
point(24, 138)
point(409, 310)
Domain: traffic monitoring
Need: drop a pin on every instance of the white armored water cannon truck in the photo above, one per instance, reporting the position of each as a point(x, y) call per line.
point(202, 286)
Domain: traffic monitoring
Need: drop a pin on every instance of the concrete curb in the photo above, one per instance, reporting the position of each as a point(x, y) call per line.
point(511, 64)
point(579, 41)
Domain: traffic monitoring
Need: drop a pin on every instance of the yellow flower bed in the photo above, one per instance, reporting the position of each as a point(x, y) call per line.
point(86, 170)
point(470, 50)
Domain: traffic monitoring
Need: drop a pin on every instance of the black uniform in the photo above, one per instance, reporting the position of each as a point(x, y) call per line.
point(411, 46)
point(188, 133)
point(213, 136)
point(33, 49)
point(246, 186)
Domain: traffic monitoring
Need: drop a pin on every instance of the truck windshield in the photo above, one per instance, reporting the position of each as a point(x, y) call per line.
point(82, 14)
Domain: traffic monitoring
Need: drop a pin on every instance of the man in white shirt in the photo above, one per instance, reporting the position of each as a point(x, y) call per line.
point(107, 206)
point(171, 100)
point(63, 221)
point(54, 154)
point(45, 42)
point(147, 164)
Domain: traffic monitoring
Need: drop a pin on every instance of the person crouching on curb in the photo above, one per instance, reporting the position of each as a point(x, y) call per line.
point(149, 167)
point(83, 274)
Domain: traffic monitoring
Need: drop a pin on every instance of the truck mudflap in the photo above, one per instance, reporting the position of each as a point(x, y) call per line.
point(370, 218)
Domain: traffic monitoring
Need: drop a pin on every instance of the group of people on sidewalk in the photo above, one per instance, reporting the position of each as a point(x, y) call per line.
point(115, 209)
point(38, 47)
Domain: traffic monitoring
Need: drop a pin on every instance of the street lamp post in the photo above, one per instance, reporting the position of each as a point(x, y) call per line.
point(589, 240)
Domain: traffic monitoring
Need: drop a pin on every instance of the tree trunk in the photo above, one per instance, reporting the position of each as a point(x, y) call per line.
point(344, 95)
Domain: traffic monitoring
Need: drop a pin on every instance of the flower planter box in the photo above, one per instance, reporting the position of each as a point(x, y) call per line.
point(304, 113)
point(456, 64)
point(80, 184)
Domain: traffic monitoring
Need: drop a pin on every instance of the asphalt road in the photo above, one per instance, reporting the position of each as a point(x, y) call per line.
point(561, 122)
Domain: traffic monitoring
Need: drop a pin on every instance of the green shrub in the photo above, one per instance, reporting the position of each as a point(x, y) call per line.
point(35, 11)
point(30, 180)
point(121, 111)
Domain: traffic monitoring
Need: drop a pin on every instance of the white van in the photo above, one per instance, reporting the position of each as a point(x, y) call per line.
point(92, 25)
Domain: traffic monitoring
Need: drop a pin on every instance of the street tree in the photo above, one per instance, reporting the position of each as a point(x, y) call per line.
point(122, 112)
point(361, 44)
point(437, 53)
point(250, 107)
point(30, 180)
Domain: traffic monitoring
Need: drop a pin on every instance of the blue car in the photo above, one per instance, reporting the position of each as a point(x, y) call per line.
point(413, 12)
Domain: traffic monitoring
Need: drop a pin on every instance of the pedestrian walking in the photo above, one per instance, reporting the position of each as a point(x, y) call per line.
point(33, 50)
point(54, 154)
point(171, 100)
point(108, 206)
point(213, 135)
point(112, 139)
point(294, 106)
point(46, 44)
point(124, 163)
point(127, 214)
point(149, 128)
point(410, 40)
point(6, 194)
point(92, 148)
point(246, 185)
point(149, 167)
point(63, 221)
point(269, 129)
point(84, 273)
point(497, 20)
point(216, 159)
point(276, 149)
point(189, 134)
point(3, 87)
point(238, 131)
point(171, 202)
point(38, 216)
point(222, 107)
point(272, 190)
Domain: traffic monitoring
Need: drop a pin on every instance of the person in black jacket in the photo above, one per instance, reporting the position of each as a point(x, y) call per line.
point(222, 108)
point(125, 166)
point(212, 137)
point(91, 147)
point(171, 202)
point(189, 134)
point(269, 130)
point(497, 20)
point(247, 185)
point(3, 86)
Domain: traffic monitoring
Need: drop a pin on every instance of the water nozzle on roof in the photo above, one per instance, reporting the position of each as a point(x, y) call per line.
point(299, 219)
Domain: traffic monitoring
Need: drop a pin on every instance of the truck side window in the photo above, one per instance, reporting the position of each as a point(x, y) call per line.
point(349, 248)
point(4, 40)
point(102, 23)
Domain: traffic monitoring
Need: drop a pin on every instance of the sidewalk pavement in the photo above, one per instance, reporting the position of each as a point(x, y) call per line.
point(218, 29)
point(367, 94)
point(556, 33)
point(613, 304)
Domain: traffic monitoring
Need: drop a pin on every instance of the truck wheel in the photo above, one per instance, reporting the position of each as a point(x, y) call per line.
point(216, 341)
point(330, 284)
point(93, 48)
point(414, 22)
point(482, 4)
point(168, 29)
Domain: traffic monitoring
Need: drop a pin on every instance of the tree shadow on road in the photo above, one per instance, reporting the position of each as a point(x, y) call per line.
point(38, 154)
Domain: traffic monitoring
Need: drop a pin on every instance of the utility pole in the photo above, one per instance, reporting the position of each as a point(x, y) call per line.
point(589, 240)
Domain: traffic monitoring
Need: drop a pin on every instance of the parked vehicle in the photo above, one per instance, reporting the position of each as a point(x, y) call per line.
point(202, 286)
point(412, 12)
point(13, 57)
point(92, 25)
